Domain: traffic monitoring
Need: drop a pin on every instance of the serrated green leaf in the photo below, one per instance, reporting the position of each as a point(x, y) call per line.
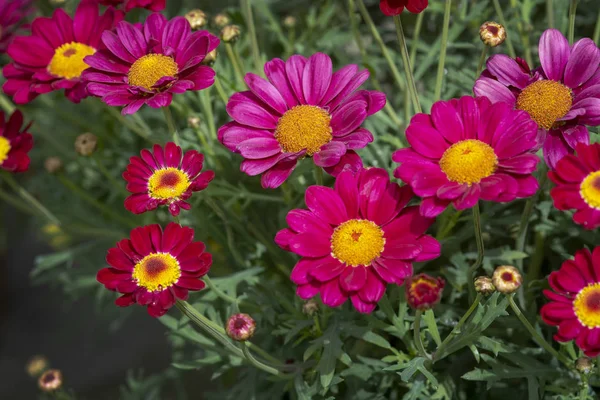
point(429, 318)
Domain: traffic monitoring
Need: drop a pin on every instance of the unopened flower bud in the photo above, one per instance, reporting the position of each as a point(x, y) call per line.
point(50, 380)
point(424, 291)
point(230, 33)
point(196, 18)
point(506, 279)
point(57, 2)
point(53, 164)
point(584, 365)
point(36, 365)
point(194, 122)
point(492, 33)
point(85, 144)
point(220, 20)
point(289, 21)
point(240, 327)
point(484, 285)
point(310, 307)
point(210, 58)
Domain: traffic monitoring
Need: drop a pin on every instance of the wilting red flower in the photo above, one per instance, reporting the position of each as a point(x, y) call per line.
point(395, 7)
point(577, 180)
point(240, 327)
point(356, 238)
point(562, 96)
point(466, 150)
point(12, 18)
point(127, 5)
point(304, 109)
point(52, 58)
point(155, 268)
point(14, 143)
point(424, 291)
point(50, 380)
point(146, 64)
point(164, 177)
point(575, 301)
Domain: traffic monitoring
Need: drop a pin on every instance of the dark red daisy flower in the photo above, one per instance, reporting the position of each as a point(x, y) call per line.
point(15, 143)
point(395, 7)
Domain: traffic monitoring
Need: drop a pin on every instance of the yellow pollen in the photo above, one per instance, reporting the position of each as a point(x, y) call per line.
point(157, 271)
point(67, 61)
point(148, 70)
point(587, 305)
point(168, 183)
point(357, 242)
point(545, 101)
point(304, 127)
point(4, 148)
point(469, 161)
point(590, 190)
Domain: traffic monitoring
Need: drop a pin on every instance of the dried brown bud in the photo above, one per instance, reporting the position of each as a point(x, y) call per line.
point(220, 20)
point(240, 327)
point(50, 380)
point(484, 285)
point(36, 365)
point(492, 33)
point(196, 18)
point(584, 365)
point(289, 21)
point(310, 307)
point(53, 164)
point(85, 144)
point(506, 279)
point(194, 122)
point(210, 58)
point(230, 33)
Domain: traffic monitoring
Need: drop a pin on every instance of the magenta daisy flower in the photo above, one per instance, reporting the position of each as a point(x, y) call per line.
point(356, 238)
point(562, 96)
point(304, 109)
point(12, 18)
point(164, 177)
point(52, 58)
point(466, 150)
point(577, 180)
point(128, 5)
point(147, 64)
point(155, 268)
point(15, 143)
point(575, 301)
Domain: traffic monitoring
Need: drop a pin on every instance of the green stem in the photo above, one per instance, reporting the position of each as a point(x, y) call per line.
point(6, 104)
point(208, 113)
point(480, 250)
point(257, 363)
point(550, 13)
point(572, 12)
point(444, 46)
point(16, 203)
point(481, 61)
point(318, 172)
point(439, 353)
point(511, 49)
point(171, 124)
point(230, 239)
point(417, 335)
point(415, 38)
point(218, 291)
point(132, 126)
point(221, 91)
point(258, 64)
point(412, 88)
point(534, 268)
point(535, 335)
point(235, 62)
point(25, 195)
point(597, 31)
point(583, 393)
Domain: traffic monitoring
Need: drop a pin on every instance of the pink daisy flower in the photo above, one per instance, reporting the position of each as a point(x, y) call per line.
point(15, 143)
point(561, 96)
point(574, 301)
point(128, 5)
point(12, 18)
point(304, 109)
point(146, 64)
point(164, 177)
point(52, 58)
point(577, 180)
point(356, 238)
point(466, 150)
point(155, 268)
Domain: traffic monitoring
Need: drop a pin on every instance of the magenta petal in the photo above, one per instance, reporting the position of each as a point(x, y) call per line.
point(554, 53)
point(329, 154)
point(507, 71)
point(304, 245)
point(275, 176)
point(447, 121)
point(424, 138)
point(332, 295)
point(431, 249)
point(326, 204)
point(259, 148)
point(266, 92)
point(294, 69)
point(583, 63)
point(275, 71)
point(300, 272)
point(346, 186)
point(469, 198)
point(494, 90)
point(316, 78)
point(362, 306)
point(431, 207)
point(326, 268)
point(401, 249)
point(245, 108)
point(353, 279)
point(373, 289)
point(309, 290)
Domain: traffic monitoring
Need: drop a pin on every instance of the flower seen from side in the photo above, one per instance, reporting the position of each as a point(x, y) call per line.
point(240, 327)
point(395, 7)
point(15, 143)
point(13, 17)
point(424, 291)
point(128, 5)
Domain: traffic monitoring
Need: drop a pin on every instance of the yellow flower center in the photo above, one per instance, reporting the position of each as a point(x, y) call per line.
point(545, 102)
point(590, 189)
point(148, 70)
point(587, 305)
point(168, 183)
point(67, 61)
point(157, 271)
point(357, 242)
point(304, 127)
point(4, 148)
point(469, 161)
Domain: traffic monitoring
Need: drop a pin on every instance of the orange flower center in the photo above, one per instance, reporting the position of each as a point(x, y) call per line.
point(304, 127)
point(590, 189)
point(148, 70)
point(357, 242)
point(587, 305)
point(469, 161)
point(4, 149)
point(67, 61)
point(168, 183)
point(157, 271)
point(545, 101)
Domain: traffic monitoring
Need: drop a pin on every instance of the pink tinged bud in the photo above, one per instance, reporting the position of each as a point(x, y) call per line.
point(240, 327)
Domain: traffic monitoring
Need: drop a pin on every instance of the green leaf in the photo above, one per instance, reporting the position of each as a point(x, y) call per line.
point(429, 318)
point(414, 365)
point(376, 339)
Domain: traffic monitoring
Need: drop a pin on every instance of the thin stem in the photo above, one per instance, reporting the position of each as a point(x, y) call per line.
point(572, 12)
point(583, 393)
point(412, 88)
point(535, 335)
point(234, 62)
point(257, 363)
point(171, 124)
point(550, 13)
point(16, 203)
point(417, 335)
point(415, 38)
point(456, 330)
point(230, 239)
point(258, 64)
point(318, 175)
point(25, 195)
point(480, 250)
point(221, 91)
point(218, 291)
point(597, 33)
point(6, 104)
point(132, 126)
point(511, 49)
point(444, 46)
point(481, 61)
point(207, 110)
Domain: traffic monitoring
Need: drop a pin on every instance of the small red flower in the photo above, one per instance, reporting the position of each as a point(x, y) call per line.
point(14, 143)
point(424, 291)
point(127, 5)
point(240, 327)
point(395, 7)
